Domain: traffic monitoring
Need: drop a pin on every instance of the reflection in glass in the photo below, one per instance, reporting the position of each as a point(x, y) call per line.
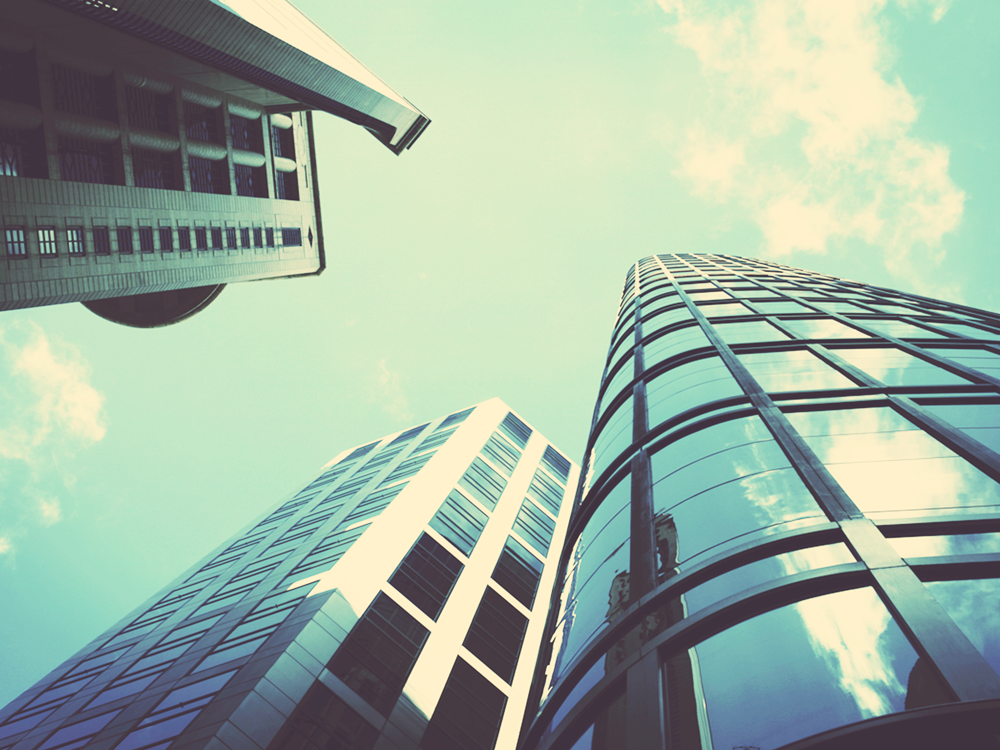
point(672, 344)
point(838, 659)
point(687, 386)
point(624, 374)
point(947, 544)
point(749, 332)
point(653, 318)
point(714, 294)
point(720, 484)
point(793, 371)
point(726, 310)
point(970, 331)
point(985, 362)
point(895, 367)
point(900, 329)
point(782, 307)
point(887, 464)
point(824, 328)
point(975, 608)
point(978, 421)
point(615, 437)
point(608, 730)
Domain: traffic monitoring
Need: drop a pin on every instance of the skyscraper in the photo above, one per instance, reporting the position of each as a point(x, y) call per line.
point(788, 530)
point(397, 601)
point(151, 153)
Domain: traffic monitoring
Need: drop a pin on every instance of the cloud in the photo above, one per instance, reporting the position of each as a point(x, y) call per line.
point(387, 390)
point(51, 511)
point(5, 545)
point(804, 126)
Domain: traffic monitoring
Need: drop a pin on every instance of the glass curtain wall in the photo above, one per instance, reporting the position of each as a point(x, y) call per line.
point(788, 523)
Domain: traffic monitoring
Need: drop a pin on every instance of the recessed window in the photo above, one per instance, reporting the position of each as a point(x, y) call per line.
point(201, 238)
point(496, 634)
point(244, 238)
point(14, 238)
point(427, 575)
point(47, 241)
point(166, 240)
point(468, 713)
point(125, 240)
point(231, 237)
point(146, 240)
point(74, 241)
point(258, 237)
point(102, 241)
point(291, 237)
point(216, 238)
point(270, 237)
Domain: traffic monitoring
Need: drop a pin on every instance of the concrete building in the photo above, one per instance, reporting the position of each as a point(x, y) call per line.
point(398, 600)
point(151, 153)
point(788, 533)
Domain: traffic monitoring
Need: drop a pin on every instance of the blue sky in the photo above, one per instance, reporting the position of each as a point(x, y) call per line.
point(856, 138)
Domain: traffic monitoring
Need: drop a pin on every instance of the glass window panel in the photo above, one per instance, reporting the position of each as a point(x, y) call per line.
point(888, 465)
point(780, 308)
point(895, 367)
point(625, 341)
point(687, 386)
point(970, 331)
point(615, 437)
point(725, 310)
point(672, 344)
point(702, 296)
point(625, 374)
point(663, 319)
point(459, 521)
point(824, 328)
point(752, 293)
point(749, 332)
point(841, 655)
point(975, 607)
point(518, 571)
point(890, 307)
point(985, 362)
point(979, 421)
point(900, 329)
point(793, 371)
point(839, 307)
point(946, 544)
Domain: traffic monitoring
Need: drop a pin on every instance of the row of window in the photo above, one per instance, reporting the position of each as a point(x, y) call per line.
point(147, 239)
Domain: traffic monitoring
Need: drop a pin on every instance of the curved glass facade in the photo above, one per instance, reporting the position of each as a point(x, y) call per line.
point(788, 527)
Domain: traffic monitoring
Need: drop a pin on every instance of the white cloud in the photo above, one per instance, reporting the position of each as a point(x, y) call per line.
point(387, 390)
point(5, 545)
point(803, 124)
point(51, 511)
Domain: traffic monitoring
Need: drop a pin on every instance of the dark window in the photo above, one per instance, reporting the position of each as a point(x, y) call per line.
point(81, 160)
point(79, 731)
point(518, 571)
point(202, 123)
point(376, 658)
point(251, 182)
point(556, 463)
point(291, 237)
point(125, 240)
point(146, 240)
point(47, 241)
point(75, 242)
point(14, 237)
point(244, 238)
point(154, 169)
point(286, 186)
point(83, 94)
point(148, 109)
point(515, 429)
point(208, 176)
point(454, 419)
point(201, 238)
point(534, 526)
point(22, 153)
point(483, 483)
point(321, 719)
point(270, 237)
point(501, 453)
point(216, 238)
point(427, 575)
point(19, 77)
point(467, 716)
point(361, 450)
point(258, 237)
point(102, 241)
point(231, 237)
point(283, 142)
point(246, 133)
point(459, 521)
point(166, 239)
point(496, 633)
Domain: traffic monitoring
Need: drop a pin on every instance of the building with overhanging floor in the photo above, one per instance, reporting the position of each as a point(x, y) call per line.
point(398, 600)
point(151, 153)
point(788, 532)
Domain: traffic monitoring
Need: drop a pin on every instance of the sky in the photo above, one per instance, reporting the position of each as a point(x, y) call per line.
point(568, 139)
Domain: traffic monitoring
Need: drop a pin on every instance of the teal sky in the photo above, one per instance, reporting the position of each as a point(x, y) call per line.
point(568, 139)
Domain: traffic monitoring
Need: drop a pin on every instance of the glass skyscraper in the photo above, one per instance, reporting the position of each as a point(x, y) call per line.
point(787, 534)
point(398, 600)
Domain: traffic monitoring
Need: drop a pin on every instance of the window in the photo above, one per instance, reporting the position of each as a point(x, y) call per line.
point(546, 492)
point(501, 453)
point(79, 731)
point(454, 419)
point(895, 367)
point(534, 526)
point(515, 429)
point(459, 521)
point(244, 238)
point(47, 241)
point(231, 237)
point(14, 238)
point(793, 371)
point(556, 463)
point(74, 241)
point(408, 435)
point(483, 483)
point(166, 239)
point(496, 634)
point(467, 716)
point(102, 241)
point(518, 571)
point(125, 240)
point(201, 238)
point(270, 237)
point(376, 658)
point(258, 237)
point(216, 238)
point(286, 186)
point(291, 237)
point(427, 575)
point(146, 240)
point(327, 721)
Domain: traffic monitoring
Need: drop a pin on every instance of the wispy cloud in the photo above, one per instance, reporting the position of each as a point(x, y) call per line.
point(50, 411)
point(805, 127)
point(387, 390)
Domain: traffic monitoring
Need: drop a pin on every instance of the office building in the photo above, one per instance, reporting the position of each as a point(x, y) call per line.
point(787, 534)
point(396, 601)
point(151, 153)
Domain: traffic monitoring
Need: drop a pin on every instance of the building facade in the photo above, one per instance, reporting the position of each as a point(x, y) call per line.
point(787, 534)
point(151, 153)
point(385, 605)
